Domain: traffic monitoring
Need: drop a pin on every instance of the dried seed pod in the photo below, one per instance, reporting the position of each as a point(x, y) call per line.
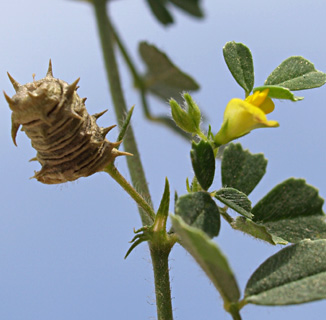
point(68, 141)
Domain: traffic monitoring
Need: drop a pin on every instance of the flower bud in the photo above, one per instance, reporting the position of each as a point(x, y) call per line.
point(187, 118)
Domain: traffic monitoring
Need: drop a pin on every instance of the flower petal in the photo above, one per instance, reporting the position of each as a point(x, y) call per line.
point(242, 116)
point(267, 106)
point(258, 97)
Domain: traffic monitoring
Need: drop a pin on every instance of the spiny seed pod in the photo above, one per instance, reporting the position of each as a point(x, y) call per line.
point(68, 141)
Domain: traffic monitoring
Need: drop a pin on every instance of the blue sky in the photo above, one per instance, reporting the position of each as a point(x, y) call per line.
point(62, 246)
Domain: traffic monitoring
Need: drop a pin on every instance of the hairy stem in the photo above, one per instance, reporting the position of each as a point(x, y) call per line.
point(134, 164)
point(159, 253)
point(139, 83)
point(162, 282)
point(142, 203)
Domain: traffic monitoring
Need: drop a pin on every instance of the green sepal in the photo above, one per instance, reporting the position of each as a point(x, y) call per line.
point(203, 163)
point(187, 117)
point(195, 186)
point(210, 258)
point(235, 200)
point(188, 186)
point(199, 210)
point(163, 78)
point(239, 61)
point(296, 274)
point(192, 109)
point(241, 169)
point(277, 92)
point(296, 73)
point(292, 211)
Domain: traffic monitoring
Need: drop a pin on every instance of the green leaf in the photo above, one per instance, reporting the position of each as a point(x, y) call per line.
point(163, 78)
point(241, 169)
point(203, 163)
point(239, 61)
point(296, 274)
point(292, 211)
point(199, 210)
point(236, 200)
point(159, 10)
point(209, 257)
point(291, 198)
point(277, 92)
point(299, 228)
point(296, 73)
point(256, 230)
point(190, 6)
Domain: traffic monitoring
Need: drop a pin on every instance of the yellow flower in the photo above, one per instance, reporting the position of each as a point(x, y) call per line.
point(242, 116)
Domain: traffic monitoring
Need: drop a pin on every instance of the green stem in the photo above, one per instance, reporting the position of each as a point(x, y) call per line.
point(136, 77)
point(159, 254)
point(134, 163)
point(225, 215)
point(162, 282)
point(236, 315)
point(234, 311)
point(115, 174)
point(139, 83)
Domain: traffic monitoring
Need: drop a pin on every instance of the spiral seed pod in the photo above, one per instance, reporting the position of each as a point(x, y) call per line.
point(68, 141)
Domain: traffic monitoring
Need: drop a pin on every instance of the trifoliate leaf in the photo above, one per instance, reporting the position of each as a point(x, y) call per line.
point(199, 210)
point(163, 78)
point(296, 274)
point(239, 61)
point(241, 169)
point(209, 257)
point(203, 163)
point(296, 73)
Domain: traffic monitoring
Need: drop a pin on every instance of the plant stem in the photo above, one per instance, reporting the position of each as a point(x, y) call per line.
point(162, 282)
point(134, 164)
point(139, 84)
point(225, 215)
point(236, 315)
point(159, 253)
point(115, 174)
